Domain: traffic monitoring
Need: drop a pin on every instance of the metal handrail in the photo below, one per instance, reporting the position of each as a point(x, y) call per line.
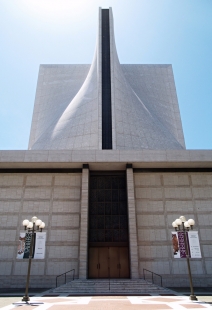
point(65, 275)
point(153, 273)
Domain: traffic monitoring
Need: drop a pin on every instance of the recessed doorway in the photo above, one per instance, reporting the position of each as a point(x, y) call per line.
point(108, 247)
point(108, 262)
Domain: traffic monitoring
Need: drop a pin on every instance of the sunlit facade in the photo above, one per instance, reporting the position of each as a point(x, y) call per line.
point(108, 172)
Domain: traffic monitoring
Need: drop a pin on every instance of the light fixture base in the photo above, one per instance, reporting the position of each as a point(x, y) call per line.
point(26, 298)
point(193, 297)
point(27, 303)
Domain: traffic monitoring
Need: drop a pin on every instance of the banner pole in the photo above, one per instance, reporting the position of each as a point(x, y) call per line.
point(192, 296)
point(26, 296)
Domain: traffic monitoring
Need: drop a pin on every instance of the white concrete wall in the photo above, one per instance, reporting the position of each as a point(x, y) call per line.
point(68, 104)
point(55, 198)
point(160, 199)
point(56, 87)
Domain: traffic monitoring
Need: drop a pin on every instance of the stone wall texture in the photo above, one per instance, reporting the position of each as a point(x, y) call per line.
point(160, 199)
point(55, 198)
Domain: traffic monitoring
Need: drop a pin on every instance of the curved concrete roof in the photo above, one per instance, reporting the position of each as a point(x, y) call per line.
point(145, 112)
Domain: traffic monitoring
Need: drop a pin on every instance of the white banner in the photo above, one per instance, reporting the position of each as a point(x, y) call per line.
point(21, 246)
point(179, 244)
point(40, 245)
point(193, 240)
point(175, 245)
point(38, 250)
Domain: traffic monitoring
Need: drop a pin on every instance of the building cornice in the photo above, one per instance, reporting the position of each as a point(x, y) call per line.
point(106, 159)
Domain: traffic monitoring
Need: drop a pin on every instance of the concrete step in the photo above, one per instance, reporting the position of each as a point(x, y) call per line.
point(106, 287)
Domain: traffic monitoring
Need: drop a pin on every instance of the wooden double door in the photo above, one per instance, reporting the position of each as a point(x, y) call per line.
point(108, 262)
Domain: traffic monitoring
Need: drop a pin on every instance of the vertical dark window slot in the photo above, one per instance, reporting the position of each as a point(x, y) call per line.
point(108, 218)
point(106, 84)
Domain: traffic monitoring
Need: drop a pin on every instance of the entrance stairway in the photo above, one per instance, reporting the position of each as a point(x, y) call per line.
point(109, 287)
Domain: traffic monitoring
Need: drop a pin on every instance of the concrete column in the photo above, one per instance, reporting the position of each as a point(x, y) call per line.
point(83, 255)
point(133, 240)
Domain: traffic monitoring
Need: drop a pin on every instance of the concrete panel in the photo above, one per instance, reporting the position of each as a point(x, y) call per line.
point(63, 252)
point(36, 206)
point(37, 193)
point(59, 235)
point(10, 179)
point(66, 206)
point(73, 180)
point(10, 206)
point(150, 206)
point(147, 179)
point(152, 235)
point(61, 267)
point(175, 179)
point(21, 267)
point(67, 193)
point(150, 220)
point(39, 180)
point(178, 193)
point(183, 206)
point(11, 193)
point(148, 193)
point(6, 252)
point(70, 220)
point(5, 268)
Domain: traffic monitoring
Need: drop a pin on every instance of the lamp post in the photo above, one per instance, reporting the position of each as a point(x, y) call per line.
point(35, 225)
point(182, 225)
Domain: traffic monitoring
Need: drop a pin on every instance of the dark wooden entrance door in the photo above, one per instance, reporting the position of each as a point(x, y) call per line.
point(114, 262)
point(108, 262)
point(124, 263)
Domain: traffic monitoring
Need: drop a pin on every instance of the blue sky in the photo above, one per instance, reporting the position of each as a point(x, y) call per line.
point(34, 32)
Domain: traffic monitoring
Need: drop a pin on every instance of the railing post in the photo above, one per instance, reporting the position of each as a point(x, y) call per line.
point(65, 275)
point(153, 273)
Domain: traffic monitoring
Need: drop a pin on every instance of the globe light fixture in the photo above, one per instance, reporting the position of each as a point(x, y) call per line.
point(30, 225)
point(25, 223)
point(178, 222)
point(182, 218)
point(191, 222)
point(42, 225)
point(38, 222)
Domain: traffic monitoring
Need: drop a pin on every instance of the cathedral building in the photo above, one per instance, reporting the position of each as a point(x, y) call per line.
point(108, 172)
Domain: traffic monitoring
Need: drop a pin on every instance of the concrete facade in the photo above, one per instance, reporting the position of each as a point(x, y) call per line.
point(161, 187)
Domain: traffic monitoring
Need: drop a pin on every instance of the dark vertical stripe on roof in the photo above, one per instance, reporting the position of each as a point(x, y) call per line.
point(106, 83)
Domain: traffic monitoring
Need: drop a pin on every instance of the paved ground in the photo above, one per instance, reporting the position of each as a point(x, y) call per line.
point(177, 302)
